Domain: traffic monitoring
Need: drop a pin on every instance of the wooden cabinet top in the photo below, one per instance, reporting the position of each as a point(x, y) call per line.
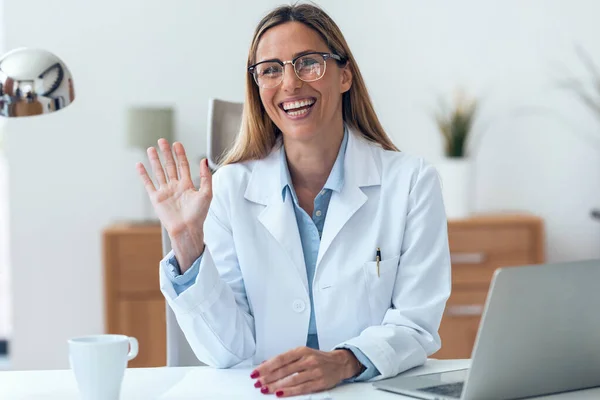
point(495, 220)
point(473, 221)
point(120, 228)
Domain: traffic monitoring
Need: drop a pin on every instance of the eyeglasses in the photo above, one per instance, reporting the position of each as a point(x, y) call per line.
point(308, 67)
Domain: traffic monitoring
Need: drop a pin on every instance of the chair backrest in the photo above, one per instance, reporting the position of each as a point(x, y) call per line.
point(224, 122)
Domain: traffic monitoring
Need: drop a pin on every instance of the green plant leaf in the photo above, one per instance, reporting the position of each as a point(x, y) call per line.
point(456, 124)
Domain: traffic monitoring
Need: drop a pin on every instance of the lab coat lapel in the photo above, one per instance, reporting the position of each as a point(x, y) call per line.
point(277, 217)
point(360, 170)
point(280, 220)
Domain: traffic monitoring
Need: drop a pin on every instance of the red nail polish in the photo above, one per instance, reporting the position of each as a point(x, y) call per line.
point(264, 390)
point(279, 393)
point(254, 374)
point(257, 384)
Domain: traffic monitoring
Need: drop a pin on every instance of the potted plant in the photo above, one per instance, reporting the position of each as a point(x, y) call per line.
point(455, 123)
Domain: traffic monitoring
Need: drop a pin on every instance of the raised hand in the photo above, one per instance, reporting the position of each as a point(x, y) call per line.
point(180, 207)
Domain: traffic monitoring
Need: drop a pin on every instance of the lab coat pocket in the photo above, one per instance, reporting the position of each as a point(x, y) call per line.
point(380, 286)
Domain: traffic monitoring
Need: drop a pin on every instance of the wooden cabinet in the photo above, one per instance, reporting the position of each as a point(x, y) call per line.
point(134, 304)
point(478, 246)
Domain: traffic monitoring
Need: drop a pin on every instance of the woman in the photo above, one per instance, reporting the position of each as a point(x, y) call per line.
point(317, 249)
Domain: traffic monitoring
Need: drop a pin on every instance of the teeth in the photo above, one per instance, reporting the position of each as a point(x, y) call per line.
point(297, 113)
point(297, 104)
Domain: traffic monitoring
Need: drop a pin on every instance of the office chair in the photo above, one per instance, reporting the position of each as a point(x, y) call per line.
point(224, 121)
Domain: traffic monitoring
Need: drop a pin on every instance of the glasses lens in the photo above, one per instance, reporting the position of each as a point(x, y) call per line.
point(268, 75)
point(310, 67)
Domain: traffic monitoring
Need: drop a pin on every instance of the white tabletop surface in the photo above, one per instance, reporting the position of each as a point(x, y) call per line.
point(204, 383)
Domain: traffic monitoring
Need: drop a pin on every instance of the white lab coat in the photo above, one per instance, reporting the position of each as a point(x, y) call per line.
point(250, 299)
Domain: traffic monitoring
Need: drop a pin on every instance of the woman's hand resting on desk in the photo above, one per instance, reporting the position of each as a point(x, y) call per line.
point(180, 207)
point(305, 370)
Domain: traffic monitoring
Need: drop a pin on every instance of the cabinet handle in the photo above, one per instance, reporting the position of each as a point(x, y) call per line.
point(470, 310)
point(467, 258)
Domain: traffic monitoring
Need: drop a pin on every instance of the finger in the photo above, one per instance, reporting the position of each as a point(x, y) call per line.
point(156, 166)
point(302, 389)
point(279, 361)
point(295, 373)
point(205, 177)
point(284, 372)
point(148, 184)
point(170, 165)
point(304, 383)
point(182, 161)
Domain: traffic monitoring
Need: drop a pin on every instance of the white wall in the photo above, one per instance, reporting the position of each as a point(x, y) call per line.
point(71, 175)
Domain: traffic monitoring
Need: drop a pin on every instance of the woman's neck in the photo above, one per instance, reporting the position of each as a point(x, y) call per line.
point(310, 162)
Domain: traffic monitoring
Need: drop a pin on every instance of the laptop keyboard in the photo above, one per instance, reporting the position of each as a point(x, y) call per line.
point(450, 389)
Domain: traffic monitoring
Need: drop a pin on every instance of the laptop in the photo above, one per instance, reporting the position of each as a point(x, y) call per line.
point(539, 334)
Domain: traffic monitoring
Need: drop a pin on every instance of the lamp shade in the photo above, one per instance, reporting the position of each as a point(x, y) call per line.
point(145, 125)
point(33, 82)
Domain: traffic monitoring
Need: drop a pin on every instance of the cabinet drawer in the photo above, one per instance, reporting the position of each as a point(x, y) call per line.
point(146, 321)
point(460, 323)
point(138, 258)
point(488, 239)
point(478, 246)
point(478, 268)
point(466, 303)
point(458, 336)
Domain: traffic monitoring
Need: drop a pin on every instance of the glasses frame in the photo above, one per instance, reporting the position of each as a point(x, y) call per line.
point(292, 62)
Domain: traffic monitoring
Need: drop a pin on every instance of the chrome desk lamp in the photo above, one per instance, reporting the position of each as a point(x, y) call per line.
point(33, 82)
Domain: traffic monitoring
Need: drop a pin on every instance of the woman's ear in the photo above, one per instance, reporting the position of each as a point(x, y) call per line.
point(346, 78)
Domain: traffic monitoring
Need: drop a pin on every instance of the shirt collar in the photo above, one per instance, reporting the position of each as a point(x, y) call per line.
point(334, 182)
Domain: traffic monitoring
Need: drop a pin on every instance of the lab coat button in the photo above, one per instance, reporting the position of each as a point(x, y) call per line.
point(298, 306)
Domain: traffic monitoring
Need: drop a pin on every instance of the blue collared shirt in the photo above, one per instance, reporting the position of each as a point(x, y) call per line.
point(310, 229)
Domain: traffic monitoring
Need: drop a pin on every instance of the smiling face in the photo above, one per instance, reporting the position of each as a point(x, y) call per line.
point(303, 111)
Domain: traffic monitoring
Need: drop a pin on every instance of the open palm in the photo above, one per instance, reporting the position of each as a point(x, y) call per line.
point(177, 203)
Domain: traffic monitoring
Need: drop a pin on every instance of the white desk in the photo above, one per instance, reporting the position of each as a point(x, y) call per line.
point(203, 383)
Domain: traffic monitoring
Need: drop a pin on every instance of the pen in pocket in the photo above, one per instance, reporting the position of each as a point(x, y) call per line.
point(377, 259)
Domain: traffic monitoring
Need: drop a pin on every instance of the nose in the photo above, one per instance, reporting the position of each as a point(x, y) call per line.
point(290, 81)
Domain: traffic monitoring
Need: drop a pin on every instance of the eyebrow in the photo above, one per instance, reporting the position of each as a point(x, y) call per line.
point(304, 52)
point(293, 55)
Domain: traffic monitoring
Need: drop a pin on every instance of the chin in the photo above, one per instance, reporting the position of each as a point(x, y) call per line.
point(300, 133)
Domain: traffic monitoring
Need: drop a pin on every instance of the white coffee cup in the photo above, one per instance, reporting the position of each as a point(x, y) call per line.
point(99, 363)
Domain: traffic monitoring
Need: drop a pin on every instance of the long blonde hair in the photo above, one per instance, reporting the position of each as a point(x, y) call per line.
point(258, 133)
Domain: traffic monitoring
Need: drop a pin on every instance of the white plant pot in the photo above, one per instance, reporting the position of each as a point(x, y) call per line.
point(455, 176)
